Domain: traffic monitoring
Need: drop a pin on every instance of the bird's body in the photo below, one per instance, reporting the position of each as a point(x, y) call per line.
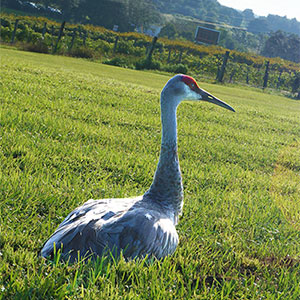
point(141, 226)
point(113, 225)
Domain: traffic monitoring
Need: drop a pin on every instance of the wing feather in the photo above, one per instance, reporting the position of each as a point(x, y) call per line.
point(100, 225)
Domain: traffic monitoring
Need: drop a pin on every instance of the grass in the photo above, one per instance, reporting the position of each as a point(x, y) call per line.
point(71, 130)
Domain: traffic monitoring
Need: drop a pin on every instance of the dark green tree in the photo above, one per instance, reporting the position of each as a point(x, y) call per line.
point(69, 8)
point(259, 25)
point(248, 15)
point(103, 13)
point(283, 23)
point(124, 13)
point(141, 13)
point(296, 84)
point(169, 31)
point(284, 45)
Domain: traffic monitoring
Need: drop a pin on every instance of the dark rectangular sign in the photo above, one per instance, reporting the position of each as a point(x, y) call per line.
point(207, 35)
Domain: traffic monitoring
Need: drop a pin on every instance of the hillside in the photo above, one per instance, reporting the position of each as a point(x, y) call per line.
point(212, 11)
point(142, 12)
point(240, 31)
point(271, 36)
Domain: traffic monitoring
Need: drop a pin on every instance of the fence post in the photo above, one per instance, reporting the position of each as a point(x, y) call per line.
point(73, 39)
point(232, 75)
point(14, 32)
point(218, 72)
point(44, 30)
point(180, 56)
point(59, 35)
point(247, 75)
point(149, 57)
point(52, 34)
point(296, 84)
point(266, 76)
point(169, 55)
point(116, 44)
point(279, 79)
point(85, 37)
point(147, 49)
point(222, 70)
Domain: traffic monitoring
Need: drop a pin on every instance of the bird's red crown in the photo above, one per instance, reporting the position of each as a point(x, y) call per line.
point(190, 81)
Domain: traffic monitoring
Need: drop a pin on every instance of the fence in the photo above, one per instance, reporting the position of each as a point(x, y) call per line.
point(129, 49)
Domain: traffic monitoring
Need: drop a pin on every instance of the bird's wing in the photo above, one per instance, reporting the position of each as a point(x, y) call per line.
point(78, 231)
point(140, 232)
point(99, 209)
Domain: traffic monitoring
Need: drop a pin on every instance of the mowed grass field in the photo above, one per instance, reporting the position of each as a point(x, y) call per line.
point(71, 130)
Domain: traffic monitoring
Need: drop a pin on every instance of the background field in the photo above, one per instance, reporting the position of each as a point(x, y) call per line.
point(71, 130)
point(129, 50)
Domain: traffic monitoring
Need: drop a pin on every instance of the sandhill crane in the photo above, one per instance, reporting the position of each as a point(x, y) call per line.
point(141, 226)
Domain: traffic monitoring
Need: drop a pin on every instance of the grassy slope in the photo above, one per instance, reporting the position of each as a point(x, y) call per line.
point(71, 130)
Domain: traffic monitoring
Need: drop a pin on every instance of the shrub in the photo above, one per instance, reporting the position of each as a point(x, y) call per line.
point(103, 46)
point(119, 62)
point(178, 68)
point(40, 47)
point(125, 47)
point(33, 37)
point(25, 33)
point(82, 52)
point(148, 64)
point(4, 23)
point(5, 34)
point(139, 52)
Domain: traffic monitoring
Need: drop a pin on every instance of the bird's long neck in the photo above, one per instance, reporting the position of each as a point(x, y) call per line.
point(167, 187)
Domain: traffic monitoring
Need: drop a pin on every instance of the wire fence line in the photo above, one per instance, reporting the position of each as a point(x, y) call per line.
point(132, 50)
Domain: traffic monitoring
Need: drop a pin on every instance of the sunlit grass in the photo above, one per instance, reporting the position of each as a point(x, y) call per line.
point(71, 130)
point(286, 183)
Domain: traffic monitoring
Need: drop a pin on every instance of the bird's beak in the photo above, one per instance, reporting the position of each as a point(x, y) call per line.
point(205, 96)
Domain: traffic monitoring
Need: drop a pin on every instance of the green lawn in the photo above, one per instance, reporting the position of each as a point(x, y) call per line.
point(71, 130)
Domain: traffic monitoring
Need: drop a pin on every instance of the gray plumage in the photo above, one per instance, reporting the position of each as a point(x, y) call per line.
point(138, 226)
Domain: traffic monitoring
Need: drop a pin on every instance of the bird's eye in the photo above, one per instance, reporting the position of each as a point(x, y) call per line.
point(192, 86)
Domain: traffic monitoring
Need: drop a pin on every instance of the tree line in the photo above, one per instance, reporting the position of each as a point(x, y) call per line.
point(127, 14)
point(212, 11)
